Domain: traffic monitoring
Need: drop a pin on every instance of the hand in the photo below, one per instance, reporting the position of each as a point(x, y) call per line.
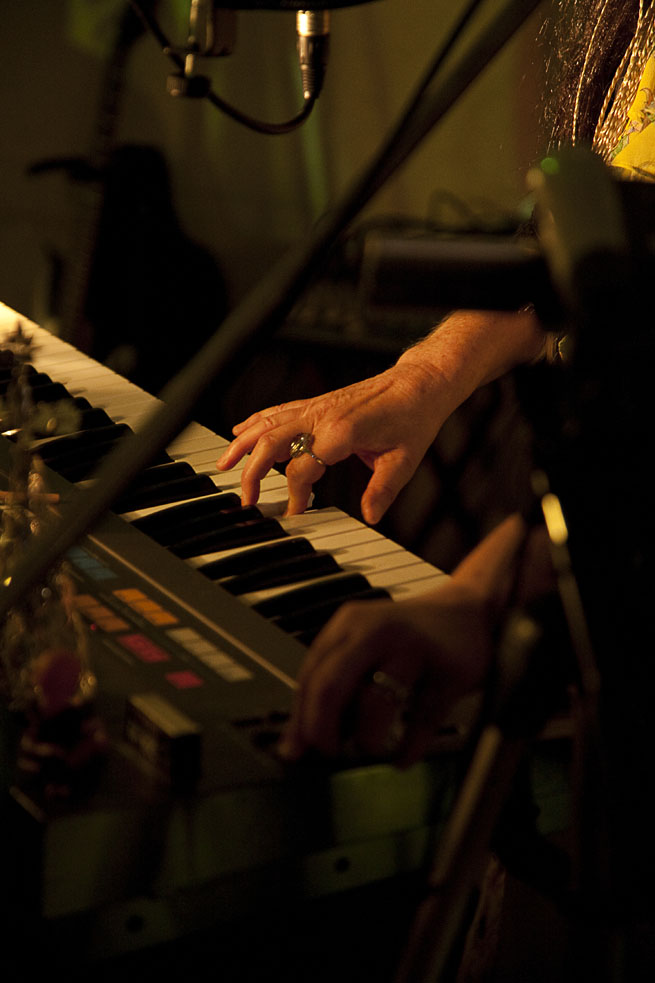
point(426, 653)
point(432, 650)
point(388, 421)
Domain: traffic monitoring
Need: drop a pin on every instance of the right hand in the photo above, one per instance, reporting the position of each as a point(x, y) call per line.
point(388, 421)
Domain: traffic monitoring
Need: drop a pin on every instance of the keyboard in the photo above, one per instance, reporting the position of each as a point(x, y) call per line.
point(196, 658)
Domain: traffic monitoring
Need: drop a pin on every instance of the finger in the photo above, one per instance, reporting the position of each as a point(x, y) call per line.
point(348, 651)
point(270, 415)
point(332, 636)
point(390, 474)
point(248, 433)
point(270, 449)
point(238, 448)
point(301, 475)
point(296, 739)
point(249, 436)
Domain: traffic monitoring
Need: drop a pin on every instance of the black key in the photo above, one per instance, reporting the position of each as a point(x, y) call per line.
point(49, 392)
point(91, 417)
point(171, 518)
point(242, 563)
point(88, 415)
point(54, 448)
point(78, 461)
point(318, 564)
point(160, 473)
point(199, 525)
point(167, 490)
point(240, 534)
point(76, 456)
point(338, 588)
point(78, 467)
point(309, 620)
point(7, 360)
point(31, 377)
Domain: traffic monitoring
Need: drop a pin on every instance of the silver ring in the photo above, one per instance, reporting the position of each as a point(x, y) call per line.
point(302, 444)
point(394, 690)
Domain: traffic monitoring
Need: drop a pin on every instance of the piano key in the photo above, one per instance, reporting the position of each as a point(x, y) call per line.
point(50, 448)
point(256, 530)
point(272, 501)
point(91, 416)
point(384, 570)
point(312, 566)
point(311, 525)
point(162, 487)
point(31, 378)
point(124, 401)
point(177, 522)
point(50, 392)
point(351, 542)
point(242, 561)
point(286, 601)
point(79, 467)
point(353, 545)
point(182, 512)
point(310, 619)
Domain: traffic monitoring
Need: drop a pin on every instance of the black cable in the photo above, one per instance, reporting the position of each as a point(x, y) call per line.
point(272, 129)
point(257, 317)
point(151, 23)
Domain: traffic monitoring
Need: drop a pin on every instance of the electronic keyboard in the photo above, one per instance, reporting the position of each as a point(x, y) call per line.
point(196, 641)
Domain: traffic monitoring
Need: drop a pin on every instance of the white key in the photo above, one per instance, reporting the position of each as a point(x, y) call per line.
point(355, 546)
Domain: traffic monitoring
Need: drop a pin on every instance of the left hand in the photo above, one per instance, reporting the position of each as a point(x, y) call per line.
point(434, 649)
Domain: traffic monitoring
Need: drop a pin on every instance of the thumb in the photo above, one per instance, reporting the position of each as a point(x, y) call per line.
point(389, 476)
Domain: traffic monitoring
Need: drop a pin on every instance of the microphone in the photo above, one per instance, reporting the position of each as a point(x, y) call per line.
point(212, 33)
point(313, 30)
point(213, 28)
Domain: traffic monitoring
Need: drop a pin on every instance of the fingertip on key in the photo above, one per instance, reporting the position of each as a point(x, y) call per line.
point(370, 514)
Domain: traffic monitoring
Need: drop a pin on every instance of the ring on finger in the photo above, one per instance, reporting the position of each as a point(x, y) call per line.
point(395, 691)
point(302, 444)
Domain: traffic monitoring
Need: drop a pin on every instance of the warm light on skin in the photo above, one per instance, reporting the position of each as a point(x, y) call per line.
point(555, 521)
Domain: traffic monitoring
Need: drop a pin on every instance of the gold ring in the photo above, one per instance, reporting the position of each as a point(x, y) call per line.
point(302, 444)
point(391, 687)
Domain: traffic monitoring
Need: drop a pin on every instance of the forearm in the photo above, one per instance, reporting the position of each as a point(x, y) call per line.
point(512, 562)
point(471, 348)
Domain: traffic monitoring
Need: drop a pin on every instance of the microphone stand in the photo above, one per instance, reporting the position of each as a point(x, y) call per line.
point(262, 311)
point(591, 420)
point(529, 681)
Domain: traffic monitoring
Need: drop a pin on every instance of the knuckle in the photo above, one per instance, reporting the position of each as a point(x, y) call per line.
point(267, 443)
point(337, 430)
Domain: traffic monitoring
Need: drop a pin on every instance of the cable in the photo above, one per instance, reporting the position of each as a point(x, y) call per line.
point(257, 316)
point(200, 86)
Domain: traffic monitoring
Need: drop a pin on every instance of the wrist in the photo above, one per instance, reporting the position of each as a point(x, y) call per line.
point(471, 348)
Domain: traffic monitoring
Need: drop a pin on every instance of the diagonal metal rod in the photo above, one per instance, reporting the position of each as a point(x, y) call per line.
point(261, 312)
